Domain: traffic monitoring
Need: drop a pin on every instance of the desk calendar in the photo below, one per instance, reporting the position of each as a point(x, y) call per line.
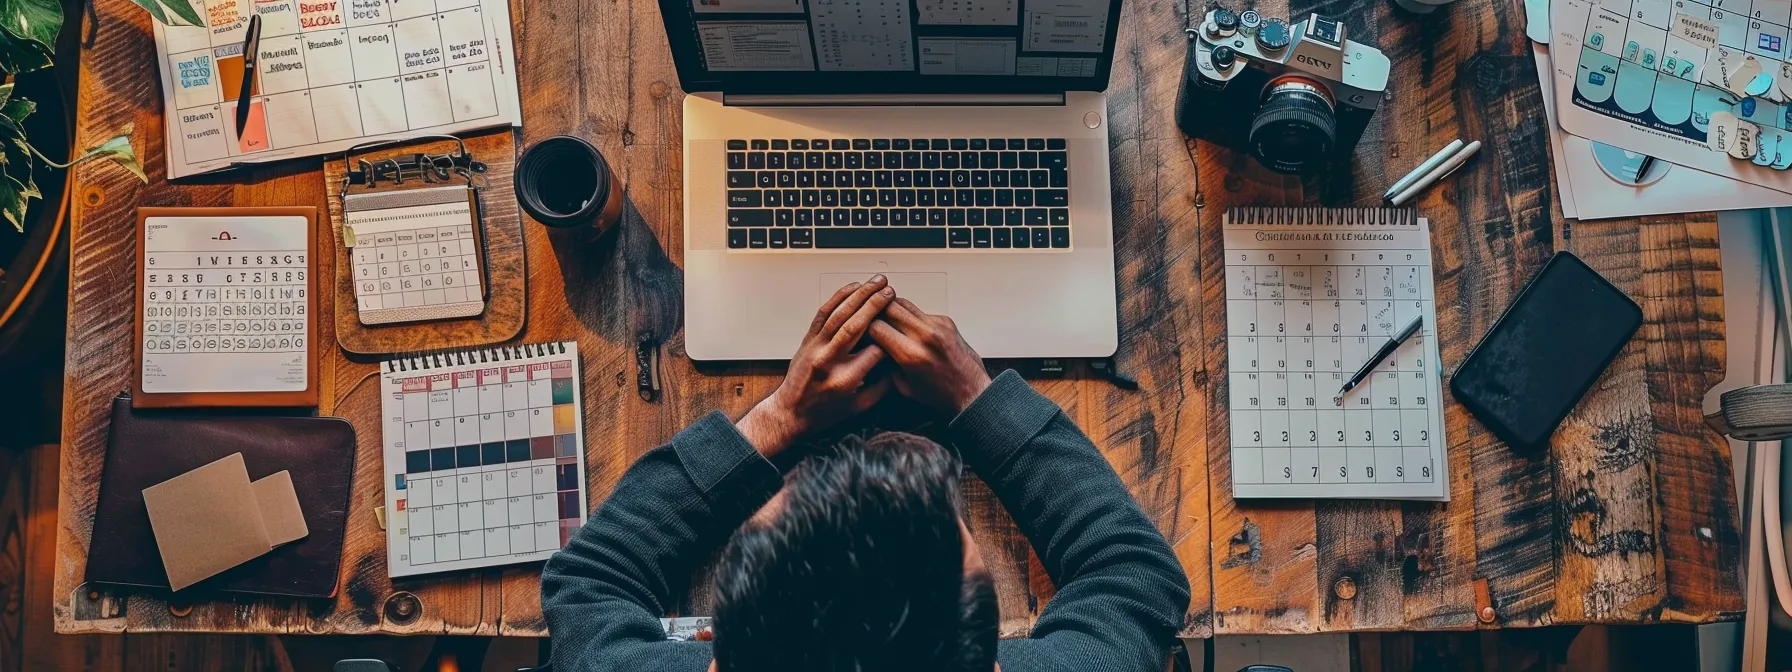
point(331, 74)
point(1311, 294)
point(484, 454)
point(226, 301)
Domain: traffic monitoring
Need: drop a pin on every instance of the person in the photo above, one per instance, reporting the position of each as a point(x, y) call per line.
point(858, 558)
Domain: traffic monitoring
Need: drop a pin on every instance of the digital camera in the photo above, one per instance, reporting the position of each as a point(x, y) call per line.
point(1296, 97)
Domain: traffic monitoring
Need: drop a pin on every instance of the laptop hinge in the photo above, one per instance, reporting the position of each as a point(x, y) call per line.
point(887, 100)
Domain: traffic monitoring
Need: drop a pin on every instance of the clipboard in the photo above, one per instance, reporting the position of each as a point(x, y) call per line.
point(226, 303)
point(416, 253)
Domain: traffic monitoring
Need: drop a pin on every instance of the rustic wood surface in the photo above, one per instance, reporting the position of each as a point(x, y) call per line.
point(1631, 518)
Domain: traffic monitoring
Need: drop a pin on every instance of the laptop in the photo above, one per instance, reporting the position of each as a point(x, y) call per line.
point(959, 147)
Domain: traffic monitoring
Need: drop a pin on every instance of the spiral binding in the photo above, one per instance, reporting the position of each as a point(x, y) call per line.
point(1322, 216)
point(438, 359)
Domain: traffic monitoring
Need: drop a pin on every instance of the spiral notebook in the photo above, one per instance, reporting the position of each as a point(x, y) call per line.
point(1311, 295)
point(484, 453)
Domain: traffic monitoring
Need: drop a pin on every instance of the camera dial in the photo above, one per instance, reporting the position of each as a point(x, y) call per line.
point(1273, 35)
point(1223, 23)
point(1295, 125)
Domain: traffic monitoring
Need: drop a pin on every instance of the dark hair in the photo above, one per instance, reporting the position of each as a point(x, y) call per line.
point(862, 569)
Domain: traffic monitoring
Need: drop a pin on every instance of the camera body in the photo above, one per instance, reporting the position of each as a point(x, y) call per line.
point(1296, 97)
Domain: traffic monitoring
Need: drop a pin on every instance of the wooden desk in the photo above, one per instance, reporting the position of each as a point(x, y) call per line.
point(1631, 519)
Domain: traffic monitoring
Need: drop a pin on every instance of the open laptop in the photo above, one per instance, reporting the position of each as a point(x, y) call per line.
point(960, 147)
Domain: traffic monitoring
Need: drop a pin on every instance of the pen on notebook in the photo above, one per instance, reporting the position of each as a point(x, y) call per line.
point(251, 45)
point(1441, 156)
point(1642, 168)
point(1382, 354)
point(1437, 173)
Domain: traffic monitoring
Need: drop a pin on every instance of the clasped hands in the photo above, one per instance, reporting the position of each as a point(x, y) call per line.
point(836, 375)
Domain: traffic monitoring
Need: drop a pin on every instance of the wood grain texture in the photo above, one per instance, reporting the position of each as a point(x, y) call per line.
point(504, 259)
point(1554, 544)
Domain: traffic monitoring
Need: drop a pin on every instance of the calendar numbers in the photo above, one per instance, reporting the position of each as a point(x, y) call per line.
point(1295, 334)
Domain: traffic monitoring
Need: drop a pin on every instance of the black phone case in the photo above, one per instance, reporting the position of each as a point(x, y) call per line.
point(1496, 423)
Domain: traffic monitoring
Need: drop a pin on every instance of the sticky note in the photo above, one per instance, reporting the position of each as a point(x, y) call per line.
point(279, 505)
point(1700, 32)
point(206, 521)
point(255, 133)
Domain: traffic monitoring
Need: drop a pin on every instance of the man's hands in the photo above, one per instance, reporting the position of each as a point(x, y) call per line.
point(828, 381)
point(935, 366)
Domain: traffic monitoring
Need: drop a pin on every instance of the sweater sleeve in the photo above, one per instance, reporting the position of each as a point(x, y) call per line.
point(1121, 592)
point(603, 595)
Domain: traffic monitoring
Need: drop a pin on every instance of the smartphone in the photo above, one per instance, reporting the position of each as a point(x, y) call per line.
point(1545, 352)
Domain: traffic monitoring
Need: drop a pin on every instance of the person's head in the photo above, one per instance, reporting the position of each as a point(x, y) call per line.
point(860, 563)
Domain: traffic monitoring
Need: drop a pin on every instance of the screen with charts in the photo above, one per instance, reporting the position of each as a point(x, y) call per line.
point(910, 44)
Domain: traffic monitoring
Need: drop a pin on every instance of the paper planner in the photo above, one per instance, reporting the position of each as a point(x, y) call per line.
point(1312, 294)
point(484, 457)
point(332, 74)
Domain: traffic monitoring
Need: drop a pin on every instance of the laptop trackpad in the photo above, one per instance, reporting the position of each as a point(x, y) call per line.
point(926, 290)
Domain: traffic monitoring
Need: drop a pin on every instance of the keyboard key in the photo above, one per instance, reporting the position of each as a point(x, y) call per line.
point(892, 160)
point(886, 198)
point(880, 238)
point(756, 239)
point(737, 144)
point(911, 160)
point(849, 198)
point(737, 239)
point(882, 178)
point(979, 178)
point(903, 178)
point(799, 143)
point(814, 160)
point(959, 237)
point(833, 160)
point(880, 144)
point(863, 144)
point(874, 160)
point(967, 198)
point(1010, 160)
point(961, 178)
point(955, 217)
point(830, 198)
point(818, 144)
point(1035, 144)
point(998, 143)
point(961, 144)
point(917, 217)
point(1060, 237)
point(867, 197)
point(1004, 198)
point(941, 143)
point(905, 198)
point(979, 237)
point(862, 178)
point(988, 160)
point(899, 144)
point(998, 238)
point(1039, 178)
point(755, 160)
point(785, 217)
point(780, 239)
point(936, 217)
point(780, 145)
point(1060, 217)
point(793, 159)
point(1021, 240)
point(791, 196)
point(824, 217)
point(1012, 216)
point(898, 218)
point(1017, 143)
point(986, 197)
point(942, 178)
point(930, 160)
point(740, 179)
point(1060, 179)
point(811, 198)
point(839, 144)
point(920, 143)
point(773, 199)
point(804, 218)
point(1054, 143)
point(924, 198)
point(1036, 217)
point(880, 217)
point(801, 239)
point(743, 199)
point(761, 144)
point(993, 216)
point(805, 178)
point(1059, 160)
point(854, 161)
point(737, 160)
point(786, 178)
point(1051, 198)
point(1023, 197)
point(967, 159)
point(1029, 160)
point(766, 179)
point(1017, 178)
point(974, 217)
point(861, 217)
point(1042, 237)
point(949, 160)
point(979, 143)
point(843, 178)
point(997, 178)
point(842, 217)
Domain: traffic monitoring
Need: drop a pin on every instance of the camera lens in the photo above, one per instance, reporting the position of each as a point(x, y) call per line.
point(1294, 129)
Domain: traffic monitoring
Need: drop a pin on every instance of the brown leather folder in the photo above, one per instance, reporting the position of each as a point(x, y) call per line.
point(148, 447)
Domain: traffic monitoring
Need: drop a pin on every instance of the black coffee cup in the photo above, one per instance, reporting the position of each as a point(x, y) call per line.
point(564, 182)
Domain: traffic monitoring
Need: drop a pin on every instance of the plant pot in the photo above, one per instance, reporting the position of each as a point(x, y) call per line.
point(34, 263)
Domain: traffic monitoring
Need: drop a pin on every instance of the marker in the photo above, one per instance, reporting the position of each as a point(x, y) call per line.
point(1437, 173)
point(1441, 156)
point(1381, 355)
point(251, 44)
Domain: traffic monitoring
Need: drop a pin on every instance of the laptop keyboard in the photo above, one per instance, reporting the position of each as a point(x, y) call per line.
point(959, 193)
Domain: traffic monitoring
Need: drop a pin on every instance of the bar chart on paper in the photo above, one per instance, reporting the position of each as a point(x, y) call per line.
point(1311, 295)
point(331, 74)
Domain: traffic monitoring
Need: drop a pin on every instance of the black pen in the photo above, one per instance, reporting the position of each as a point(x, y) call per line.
point(1643, 168)
point(1381, 355)
point(251, 44)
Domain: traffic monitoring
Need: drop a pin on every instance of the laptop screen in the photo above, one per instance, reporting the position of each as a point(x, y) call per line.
point(892, 46)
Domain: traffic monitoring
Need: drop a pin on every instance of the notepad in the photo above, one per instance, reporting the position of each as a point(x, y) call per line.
point(416, 254)
point(1311, 294)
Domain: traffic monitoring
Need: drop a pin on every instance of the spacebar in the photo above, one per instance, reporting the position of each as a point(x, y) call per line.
point(874, 238)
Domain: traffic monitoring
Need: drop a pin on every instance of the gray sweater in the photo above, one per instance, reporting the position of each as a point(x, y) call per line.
point(1121, 593)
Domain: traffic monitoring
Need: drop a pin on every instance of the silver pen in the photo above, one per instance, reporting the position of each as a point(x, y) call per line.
point(1437, 173)
point(1441, 156)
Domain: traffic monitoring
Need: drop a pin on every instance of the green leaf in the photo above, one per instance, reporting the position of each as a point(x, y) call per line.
point(36, 21)
point(5, 92)
point(17, 109)
point(155, 12)
point(184, 10)
point(118, 150)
